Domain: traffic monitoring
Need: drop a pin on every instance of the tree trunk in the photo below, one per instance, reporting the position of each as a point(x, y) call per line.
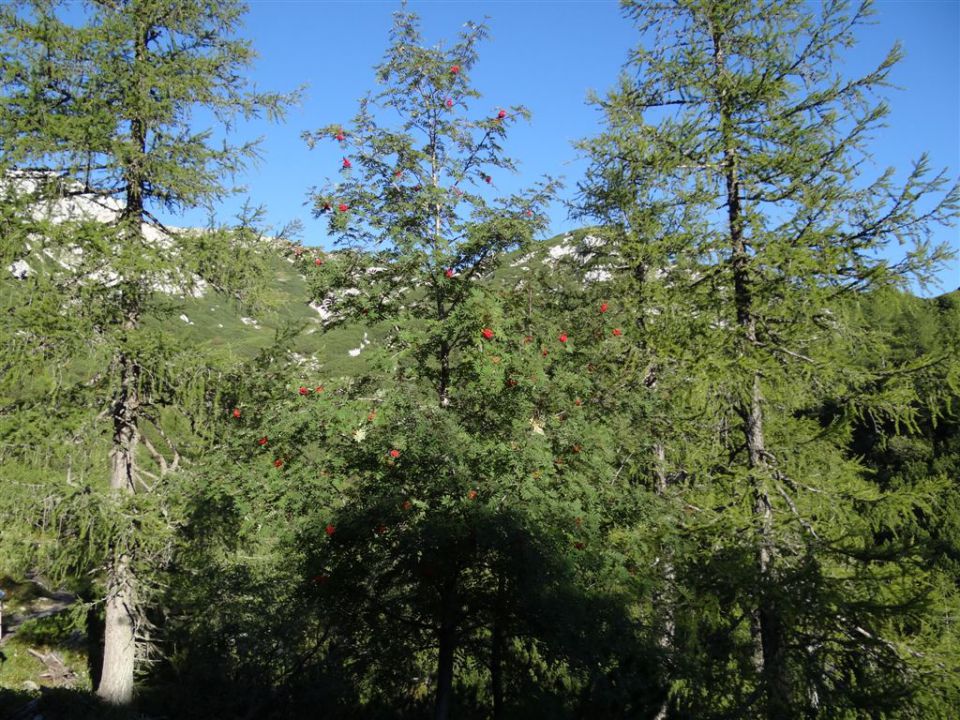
point(447, 648)
point(119, 642)
point(119, 647)
point(767, 627)
point(120, 622)
point(496, 651)
point(664, 599)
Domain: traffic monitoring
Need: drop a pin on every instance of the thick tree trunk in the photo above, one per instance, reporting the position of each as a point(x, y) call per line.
point(119, 647)
point(119, 643)
point(447, 648)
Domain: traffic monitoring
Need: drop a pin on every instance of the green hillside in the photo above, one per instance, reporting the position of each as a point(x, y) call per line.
point(218, 322)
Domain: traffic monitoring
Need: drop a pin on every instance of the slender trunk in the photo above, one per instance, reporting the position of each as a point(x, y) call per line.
point(496, 651)
point(447, 648)
point(666, 598)
point(119, 646)
point(443, 389)
point(767, 626)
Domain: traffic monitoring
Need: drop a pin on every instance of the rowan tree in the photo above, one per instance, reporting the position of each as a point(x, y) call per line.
point(461, 460)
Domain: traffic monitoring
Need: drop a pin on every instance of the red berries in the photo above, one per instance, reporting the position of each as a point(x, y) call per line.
point(394, 453)
point(340, 136)
point(326, 207)
point(318, 262)
point(454, 69)
point(304, 390)
point(318, 389)
point(407, 505)
point(563, 337)
point(381, 529)
point(343, 207)
point(236, 412)
point(278, 463)
point(604, 307)
point(472, 495)
point(330, 529)
point(617, 332)
point(487, 179)
point(448, 272)
point(529, 213)
point(449, 103)
point(487, 333)
point(501, 115)
point(347, 164)
point(262, 441)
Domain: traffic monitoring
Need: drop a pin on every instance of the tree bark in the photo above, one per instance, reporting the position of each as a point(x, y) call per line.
point(119, 643)
point(119, 647)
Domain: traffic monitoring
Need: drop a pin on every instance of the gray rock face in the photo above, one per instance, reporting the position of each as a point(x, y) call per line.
point(20, 269)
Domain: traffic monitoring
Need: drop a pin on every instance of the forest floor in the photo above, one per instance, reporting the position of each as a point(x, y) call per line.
point(42, 648)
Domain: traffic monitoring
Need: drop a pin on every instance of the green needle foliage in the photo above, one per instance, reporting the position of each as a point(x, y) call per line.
point(102, 100)
point(730, 177)
point(698, 460)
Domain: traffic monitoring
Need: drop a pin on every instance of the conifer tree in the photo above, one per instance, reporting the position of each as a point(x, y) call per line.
point(103, 100)
point(734, 154)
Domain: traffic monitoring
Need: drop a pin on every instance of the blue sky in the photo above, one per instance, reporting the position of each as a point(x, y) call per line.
point(547, 55)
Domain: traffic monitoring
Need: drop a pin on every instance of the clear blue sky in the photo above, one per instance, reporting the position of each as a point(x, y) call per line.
point(547, 55)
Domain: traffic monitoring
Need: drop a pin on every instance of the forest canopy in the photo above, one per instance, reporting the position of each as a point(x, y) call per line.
point(697, 459)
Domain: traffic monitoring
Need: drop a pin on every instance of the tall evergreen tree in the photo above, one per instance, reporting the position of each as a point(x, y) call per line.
point(104, 98)
point(734, 154)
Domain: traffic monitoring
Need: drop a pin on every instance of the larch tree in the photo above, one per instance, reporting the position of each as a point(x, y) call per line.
point(109, 100)
point(736, 156)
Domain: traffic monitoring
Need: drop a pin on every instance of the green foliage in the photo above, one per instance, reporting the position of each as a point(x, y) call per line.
point(727, 180)
point(104, 105)
point(696, 461)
